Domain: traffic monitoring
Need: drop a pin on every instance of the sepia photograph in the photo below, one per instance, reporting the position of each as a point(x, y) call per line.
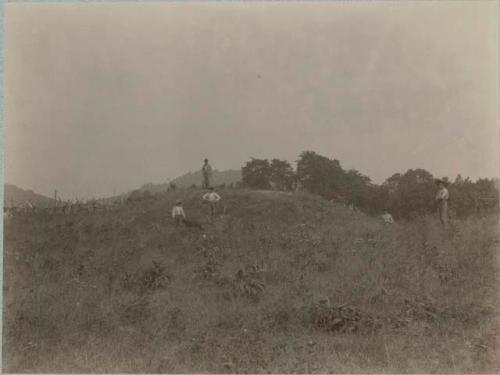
point(235, 187)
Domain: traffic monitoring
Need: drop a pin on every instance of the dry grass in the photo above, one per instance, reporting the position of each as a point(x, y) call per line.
point(281, 283)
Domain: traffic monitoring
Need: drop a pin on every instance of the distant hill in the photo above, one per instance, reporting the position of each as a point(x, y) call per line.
point(15, 196)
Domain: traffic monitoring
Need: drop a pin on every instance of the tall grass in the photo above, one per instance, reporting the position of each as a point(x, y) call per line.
point(280, 283)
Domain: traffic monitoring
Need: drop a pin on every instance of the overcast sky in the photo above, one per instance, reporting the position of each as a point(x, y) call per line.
point(102, 98)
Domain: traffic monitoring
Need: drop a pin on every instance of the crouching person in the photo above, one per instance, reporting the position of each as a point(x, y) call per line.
point(387, 217)
point(180, 217)
point(178, 213)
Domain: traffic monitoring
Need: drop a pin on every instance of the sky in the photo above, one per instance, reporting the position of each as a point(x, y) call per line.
point(101, 98)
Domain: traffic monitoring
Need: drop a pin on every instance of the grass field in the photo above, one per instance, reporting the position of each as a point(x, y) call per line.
point(282, 283)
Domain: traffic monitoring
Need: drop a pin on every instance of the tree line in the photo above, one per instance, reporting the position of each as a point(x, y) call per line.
point(404, 195)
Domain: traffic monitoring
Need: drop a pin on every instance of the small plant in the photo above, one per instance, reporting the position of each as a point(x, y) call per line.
point(248, 283)
point(347, 319)
point(153, 278)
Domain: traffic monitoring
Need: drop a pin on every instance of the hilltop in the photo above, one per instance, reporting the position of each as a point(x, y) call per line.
point(281, 282)
point(230, 176)
point(190, 179)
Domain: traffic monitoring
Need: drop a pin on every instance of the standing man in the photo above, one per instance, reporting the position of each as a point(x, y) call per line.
point(442, 201)
point(212, 198)
point(207, 174)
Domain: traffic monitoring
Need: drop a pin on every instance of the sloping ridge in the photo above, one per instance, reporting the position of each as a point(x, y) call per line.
point(15, 196)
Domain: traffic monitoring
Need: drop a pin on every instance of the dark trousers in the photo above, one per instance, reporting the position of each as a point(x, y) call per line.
point(212, 208)
point(443, 211)
point(206, 181)
point(179, 219)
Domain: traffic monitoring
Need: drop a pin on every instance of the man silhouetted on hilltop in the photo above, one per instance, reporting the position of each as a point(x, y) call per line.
point(207, 174)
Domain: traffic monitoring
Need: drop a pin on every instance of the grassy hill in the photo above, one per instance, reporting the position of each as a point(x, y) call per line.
point(281, 283)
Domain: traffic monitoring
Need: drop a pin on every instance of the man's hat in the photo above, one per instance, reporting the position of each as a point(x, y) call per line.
point(178, 202)
point(441, 181)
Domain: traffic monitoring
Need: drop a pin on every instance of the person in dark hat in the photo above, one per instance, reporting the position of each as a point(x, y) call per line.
point(442, 200)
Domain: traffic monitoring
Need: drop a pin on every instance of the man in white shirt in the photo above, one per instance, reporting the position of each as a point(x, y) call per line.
point(442, 201)
point(387, 217)
point(212, 198)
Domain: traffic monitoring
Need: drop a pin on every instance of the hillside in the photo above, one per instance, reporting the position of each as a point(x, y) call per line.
point(281, 283)
point(15, 196)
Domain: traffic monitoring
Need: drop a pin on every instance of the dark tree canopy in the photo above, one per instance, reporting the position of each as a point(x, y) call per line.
point(256, 174)
point(411, 194)
point(405, 195)
point(282, 174)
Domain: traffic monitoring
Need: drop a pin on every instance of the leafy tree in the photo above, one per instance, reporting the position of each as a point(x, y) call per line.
point(411, 194)
point(358, 189)
point(319, 174)
point(282, 174)
point(486, 196)
point(256, 174)
point(392, 182)
point(468, 198)
point(326, 177)
point(404, 195)
point(462, 199)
